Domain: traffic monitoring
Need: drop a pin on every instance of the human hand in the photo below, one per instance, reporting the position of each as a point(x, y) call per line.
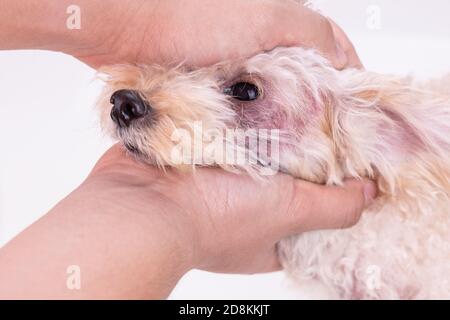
point(134, 230)
point(197, 32)
point(223, 222)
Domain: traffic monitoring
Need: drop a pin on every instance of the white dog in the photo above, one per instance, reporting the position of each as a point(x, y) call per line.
point(333, 125)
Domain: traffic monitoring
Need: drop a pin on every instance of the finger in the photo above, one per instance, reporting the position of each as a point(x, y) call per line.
point(345, 46)
point(315, 207)
point(301, 26)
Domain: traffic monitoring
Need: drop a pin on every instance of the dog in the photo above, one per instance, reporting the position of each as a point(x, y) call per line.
point(332, 125)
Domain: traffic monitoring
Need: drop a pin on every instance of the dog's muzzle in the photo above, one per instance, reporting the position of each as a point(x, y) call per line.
point(128, 106)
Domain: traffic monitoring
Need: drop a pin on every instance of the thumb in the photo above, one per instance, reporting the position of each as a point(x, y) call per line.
point(345, 49)
point(315, 207)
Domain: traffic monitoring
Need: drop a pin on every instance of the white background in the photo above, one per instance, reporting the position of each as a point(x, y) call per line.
point(50, 137)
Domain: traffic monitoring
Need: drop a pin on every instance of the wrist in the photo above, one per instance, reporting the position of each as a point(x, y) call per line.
point(161, 230)
point(112, 35)
point(48, 25)
point(35, 24)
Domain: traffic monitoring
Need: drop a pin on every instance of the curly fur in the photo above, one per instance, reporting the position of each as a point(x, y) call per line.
point(335, 125)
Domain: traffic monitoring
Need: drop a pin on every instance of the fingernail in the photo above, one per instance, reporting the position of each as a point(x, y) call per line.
point(370, 192)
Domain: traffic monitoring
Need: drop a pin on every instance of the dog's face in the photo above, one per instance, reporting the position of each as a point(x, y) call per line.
point(272, 98)
point(288, 110)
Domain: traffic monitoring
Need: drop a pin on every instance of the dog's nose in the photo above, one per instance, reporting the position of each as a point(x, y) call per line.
point(127, 107)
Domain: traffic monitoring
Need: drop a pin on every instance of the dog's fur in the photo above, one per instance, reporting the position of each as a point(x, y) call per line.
point(335, 125)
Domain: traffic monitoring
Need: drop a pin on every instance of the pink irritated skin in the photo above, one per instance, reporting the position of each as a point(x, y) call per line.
point(260, 115)
point(268, 113)
point(401, 137)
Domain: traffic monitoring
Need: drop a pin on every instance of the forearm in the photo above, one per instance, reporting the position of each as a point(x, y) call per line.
point(120, 255)
point(196, 32)
point(42, 24)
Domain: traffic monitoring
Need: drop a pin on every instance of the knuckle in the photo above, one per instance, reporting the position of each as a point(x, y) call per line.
point(353, 214)
point(301, 203)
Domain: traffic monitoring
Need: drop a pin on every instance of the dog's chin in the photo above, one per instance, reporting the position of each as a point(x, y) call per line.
point(137, 154)
point(132, 149)
point(124, 137)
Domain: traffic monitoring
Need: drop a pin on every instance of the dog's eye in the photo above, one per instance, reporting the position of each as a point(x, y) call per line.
point(243, 91)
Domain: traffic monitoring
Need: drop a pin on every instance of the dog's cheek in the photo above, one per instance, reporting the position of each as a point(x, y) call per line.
point(260, 115)
point(278, 110)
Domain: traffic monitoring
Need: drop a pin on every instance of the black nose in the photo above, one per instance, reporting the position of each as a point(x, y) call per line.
point(127, 107)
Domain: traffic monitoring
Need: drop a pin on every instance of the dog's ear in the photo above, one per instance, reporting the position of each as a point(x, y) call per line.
point(408, 116)
point(387, 123)
point(398, 117)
